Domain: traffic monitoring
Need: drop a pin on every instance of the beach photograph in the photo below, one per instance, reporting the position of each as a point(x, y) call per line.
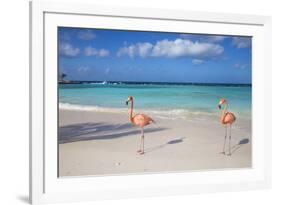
point(144, 102)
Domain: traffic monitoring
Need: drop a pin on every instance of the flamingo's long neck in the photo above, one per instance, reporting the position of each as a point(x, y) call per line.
point(224, 112)
point(131, 111)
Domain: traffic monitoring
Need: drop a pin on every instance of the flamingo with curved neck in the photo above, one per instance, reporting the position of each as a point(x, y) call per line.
point(227, 119)
point(140, 120)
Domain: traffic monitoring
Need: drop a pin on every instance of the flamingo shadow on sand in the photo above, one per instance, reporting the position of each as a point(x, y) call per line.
point(239, 145)
point(171, 142)
point(98, 131)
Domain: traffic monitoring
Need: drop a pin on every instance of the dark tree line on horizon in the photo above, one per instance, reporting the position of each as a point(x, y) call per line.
point(62, 77)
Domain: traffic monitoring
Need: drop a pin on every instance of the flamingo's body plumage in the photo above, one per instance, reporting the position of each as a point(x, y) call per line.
point(140, 120)
point(227, 119)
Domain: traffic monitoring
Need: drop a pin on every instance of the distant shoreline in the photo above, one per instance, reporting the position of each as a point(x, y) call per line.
point(154, 83)
point(164, 113)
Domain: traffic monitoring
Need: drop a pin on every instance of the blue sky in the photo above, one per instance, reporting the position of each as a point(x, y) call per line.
point(113, 55)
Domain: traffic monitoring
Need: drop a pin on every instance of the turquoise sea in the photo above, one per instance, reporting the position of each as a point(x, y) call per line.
point(170, 100)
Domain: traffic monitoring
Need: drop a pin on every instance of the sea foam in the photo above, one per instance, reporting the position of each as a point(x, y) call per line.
point(162, 114)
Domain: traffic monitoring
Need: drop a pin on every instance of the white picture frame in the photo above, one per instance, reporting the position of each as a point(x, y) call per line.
point(46, 187)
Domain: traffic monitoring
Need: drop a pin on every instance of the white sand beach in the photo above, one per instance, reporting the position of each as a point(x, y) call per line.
point(101, 143)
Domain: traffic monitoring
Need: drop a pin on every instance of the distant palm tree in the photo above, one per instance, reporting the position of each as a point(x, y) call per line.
point(63, 75)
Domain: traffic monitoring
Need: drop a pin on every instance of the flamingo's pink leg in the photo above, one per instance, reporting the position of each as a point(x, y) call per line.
point(223, 151)
point(229, 145)
point(141, 151)
point(143, 144)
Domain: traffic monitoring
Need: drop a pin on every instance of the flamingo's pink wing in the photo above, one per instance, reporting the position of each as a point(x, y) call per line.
point(229, 118)
point(142, 120)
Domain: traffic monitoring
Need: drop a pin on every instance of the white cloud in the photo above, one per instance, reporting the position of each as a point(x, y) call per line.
point(145, 49)
point(90, 51)
point(240, 66)
point(140, 49)
point(172, 49)
point(103, 53)
point(83, 69)
point(181, 48)
point(67, 50)
point(241, 42)
point(86, 34)
point(197, 61)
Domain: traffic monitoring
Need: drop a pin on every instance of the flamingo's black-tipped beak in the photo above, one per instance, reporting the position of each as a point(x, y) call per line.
point(219, 106)
point(127, 102)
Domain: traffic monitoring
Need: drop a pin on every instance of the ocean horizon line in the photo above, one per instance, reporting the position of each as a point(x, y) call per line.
point(153, 83)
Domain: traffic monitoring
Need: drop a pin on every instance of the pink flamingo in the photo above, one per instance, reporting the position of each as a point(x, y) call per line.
point(140, 120)
point(227, 119)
